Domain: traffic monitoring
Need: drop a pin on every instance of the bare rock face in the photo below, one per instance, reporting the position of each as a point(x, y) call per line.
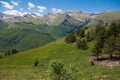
point(82, 16)
point(57, 18)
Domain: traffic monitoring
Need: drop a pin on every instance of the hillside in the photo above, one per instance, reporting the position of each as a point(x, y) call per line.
point(22, 36)
point(105, 18)
point(30, 30)
point(42, 30)
point(3, 25)
point(21, 66)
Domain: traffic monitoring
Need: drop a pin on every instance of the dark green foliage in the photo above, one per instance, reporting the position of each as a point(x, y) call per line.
point(109, 46)
point(81, 44)
point(59, 72)
point(1, 57)
point(92, 63)
point(11, 52)
point(114, 28)
point(117, 44)
point(97, 50)
point(80, 33)
point(90, 35)
point(36, 63)
point(71, 38)
point(100, 33)
point(14, 51)
point(107, 39)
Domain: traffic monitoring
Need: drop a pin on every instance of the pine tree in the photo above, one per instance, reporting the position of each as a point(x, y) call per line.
point(82, 33)
point(109, 45)
point(117, 44)
point(100, 39)
point(97, 49)
point(113, 29)
point(88, 36)
point(84, 44)
point(78, 44)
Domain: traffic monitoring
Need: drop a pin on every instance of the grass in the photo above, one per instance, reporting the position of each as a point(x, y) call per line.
point(21, 66)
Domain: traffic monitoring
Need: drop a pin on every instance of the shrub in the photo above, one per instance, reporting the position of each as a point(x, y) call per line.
point(81, 44)
point(71, 38)
point(36, 63)
point(59, 72)
point(0, 56)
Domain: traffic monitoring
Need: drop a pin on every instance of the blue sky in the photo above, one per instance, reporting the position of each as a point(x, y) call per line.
point(20, 7)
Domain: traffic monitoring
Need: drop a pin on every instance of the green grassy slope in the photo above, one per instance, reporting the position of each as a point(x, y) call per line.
point(21, 66)
point(22, 36)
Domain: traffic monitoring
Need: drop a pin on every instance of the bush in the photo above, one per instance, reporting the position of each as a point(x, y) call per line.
point(11, 52)
point(1, 56)
point(81, 44)
point(71, 38)
point(36, 63)
point(59, 72)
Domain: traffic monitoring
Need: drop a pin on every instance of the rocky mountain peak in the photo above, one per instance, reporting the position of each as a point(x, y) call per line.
point(50, 18)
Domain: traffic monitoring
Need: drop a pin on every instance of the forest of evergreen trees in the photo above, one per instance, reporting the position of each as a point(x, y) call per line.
point(106, 37)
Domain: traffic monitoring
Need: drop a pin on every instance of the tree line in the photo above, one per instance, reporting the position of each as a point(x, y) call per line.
point(107, 39)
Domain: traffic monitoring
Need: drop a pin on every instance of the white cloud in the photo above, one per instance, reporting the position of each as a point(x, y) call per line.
point(55, 10)
point(38, 14)
point(21, 9)
point(6, 5)
point(30, 5)
point(18, 13)
point(41, 8)
point(24, 13)
point(14, 3)
point(13, 12)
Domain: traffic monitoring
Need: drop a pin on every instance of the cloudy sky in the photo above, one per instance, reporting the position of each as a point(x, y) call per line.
point(41, 7)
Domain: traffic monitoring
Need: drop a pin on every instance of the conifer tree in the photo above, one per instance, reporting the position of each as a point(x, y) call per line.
point(109, 45)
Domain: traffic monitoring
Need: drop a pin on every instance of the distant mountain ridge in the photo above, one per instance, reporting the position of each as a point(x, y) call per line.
point(50, 18)
point(58, 18)
point(30, 30)
point(105, 18)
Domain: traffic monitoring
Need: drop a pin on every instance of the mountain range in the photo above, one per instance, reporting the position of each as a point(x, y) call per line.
point(32, 30)
point(50, 18)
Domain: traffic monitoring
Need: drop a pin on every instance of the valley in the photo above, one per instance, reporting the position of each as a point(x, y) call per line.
point(65, 45)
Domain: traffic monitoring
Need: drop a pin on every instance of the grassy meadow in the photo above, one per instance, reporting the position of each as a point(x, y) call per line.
point(21, 66)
